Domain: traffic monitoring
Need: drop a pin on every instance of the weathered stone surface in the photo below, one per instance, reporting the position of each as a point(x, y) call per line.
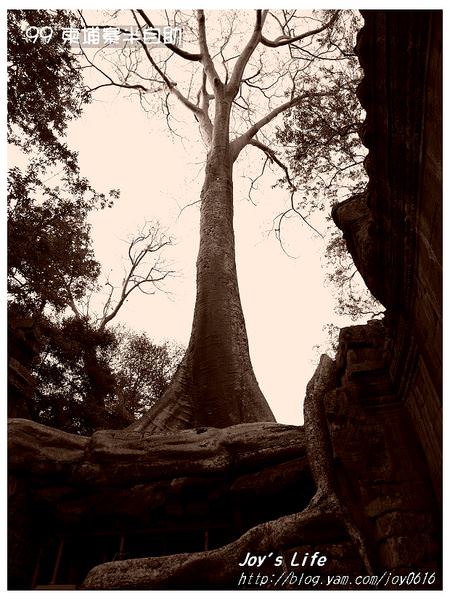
point(323, 521)
point(370, 474)
point(404, 551)
point(394, 230)
point(385, 497)
point(270, 451)
point(21, 550)
point(36, 448)
point(380, 469)
point(138, 481)
point(396, 523)
point(364, 459)
point(355, 219)
point(125, 458)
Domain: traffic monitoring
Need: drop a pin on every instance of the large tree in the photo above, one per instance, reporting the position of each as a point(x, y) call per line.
point(234, 90)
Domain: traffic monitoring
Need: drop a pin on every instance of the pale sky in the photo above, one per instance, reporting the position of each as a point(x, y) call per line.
point(284, 300)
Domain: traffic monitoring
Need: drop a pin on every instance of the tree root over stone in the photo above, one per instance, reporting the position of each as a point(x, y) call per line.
point(220, 568)
point(44, 457)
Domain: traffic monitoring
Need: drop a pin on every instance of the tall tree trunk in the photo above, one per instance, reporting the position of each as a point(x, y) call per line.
point(215, 384)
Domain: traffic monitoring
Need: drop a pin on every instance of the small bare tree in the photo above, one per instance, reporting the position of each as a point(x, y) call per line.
point(145, 271)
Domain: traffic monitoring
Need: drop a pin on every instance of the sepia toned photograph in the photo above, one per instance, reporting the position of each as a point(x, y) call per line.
point(224, 299)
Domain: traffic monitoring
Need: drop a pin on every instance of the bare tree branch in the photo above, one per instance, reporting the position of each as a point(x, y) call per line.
point(111, 82)
point(175, 49)
point(273, 158)
point(253, 181)
point(246, 53)
point(72, 304)
point(239, 143)
point(169, 83)
point(204, 120)
point(153, 242)
point(206, 59)
point(284, 40)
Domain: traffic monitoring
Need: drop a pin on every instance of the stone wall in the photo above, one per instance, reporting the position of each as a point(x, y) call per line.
point(394, 231)
point(382, 474)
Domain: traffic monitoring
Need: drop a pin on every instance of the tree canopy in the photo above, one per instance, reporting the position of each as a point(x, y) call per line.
point(45, 86)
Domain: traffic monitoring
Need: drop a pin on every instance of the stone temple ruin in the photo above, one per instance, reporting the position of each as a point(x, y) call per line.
point(360, 482)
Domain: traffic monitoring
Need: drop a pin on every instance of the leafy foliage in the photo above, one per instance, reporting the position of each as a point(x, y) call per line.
point(353, 299)
point(326, 156)
point(50, 258)
point(90, 378)
point(72, 373)
point(320, 134)
point(142, 369)
point(45, 86)
point(49, 248)
point(322, 143)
